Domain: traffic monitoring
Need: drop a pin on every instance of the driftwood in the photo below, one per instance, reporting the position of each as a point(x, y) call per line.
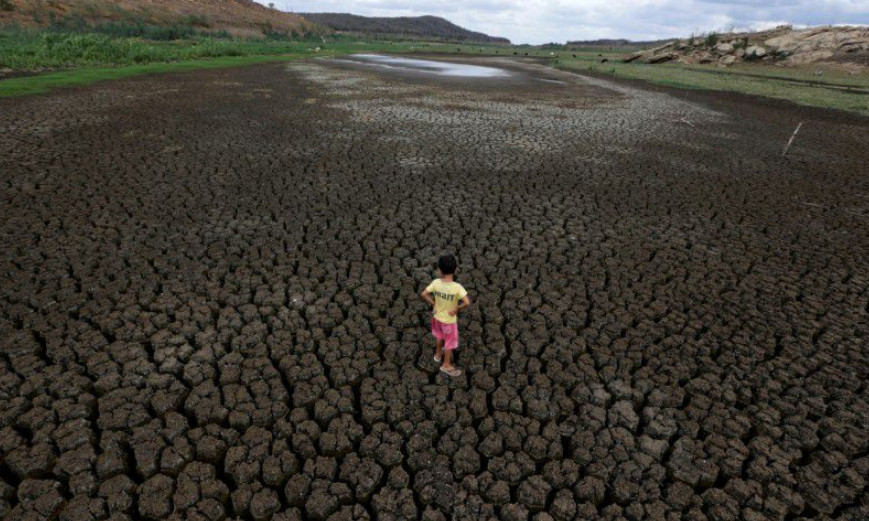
point(791, 140)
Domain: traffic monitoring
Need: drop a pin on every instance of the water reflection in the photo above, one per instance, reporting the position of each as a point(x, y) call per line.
point(439, 68)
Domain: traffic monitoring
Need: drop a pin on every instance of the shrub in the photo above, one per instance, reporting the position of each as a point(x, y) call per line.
point(277, 36)
point(121, 29)
point(148, 32)
point(169, 32)
point(711, 40)
point(211, 48)
point(144, 54)
point(195, 20)
point(65, 48)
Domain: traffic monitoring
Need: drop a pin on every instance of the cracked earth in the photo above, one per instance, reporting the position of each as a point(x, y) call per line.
point(209, 301)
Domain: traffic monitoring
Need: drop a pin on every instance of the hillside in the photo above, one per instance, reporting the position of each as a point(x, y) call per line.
point(418, 26)
point(605, 42)
point(781, 46)
point(238, 17)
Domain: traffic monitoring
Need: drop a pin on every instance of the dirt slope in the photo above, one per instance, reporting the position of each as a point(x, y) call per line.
point(242, 17)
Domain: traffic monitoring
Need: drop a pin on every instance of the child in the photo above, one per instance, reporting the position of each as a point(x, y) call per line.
point(449, 298)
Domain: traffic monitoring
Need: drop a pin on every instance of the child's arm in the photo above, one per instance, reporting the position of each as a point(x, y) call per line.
point(462, 305)
point(426, 295)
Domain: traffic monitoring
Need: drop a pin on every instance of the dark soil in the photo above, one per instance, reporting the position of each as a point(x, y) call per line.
point(209, 309)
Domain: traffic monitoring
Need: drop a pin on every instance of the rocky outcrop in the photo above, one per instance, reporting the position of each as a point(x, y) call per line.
point(782, 45)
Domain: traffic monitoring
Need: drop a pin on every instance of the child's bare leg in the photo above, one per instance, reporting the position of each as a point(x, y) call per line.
point(439, 347)
point(448, 357)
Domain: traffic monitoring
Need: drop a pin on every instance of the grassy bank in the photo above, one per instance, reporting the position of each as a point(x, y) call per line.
point(41, 61)
point(833, 88)
point(32, 51)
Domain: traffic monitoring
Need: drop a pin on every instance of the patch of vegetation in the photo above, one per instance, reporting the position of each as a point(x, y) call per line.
point(129, 27)
point(280, 36)
point(792, 85)
point(26, 50)
point(6, 5)
point(194, 20)
point(92, 57)
point(80, 47)
point(711, 40)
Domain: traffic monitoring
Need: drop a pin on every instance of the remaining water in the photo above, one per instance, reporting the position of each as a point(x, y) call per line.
point(439, 68)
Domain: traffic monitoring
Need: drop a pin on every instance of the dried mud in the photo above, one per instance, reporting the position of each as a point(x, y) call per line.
point(209, 310)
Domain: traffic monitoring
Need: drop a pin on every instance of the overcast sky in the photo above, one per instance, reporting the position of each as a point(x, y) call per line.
point(541, 21)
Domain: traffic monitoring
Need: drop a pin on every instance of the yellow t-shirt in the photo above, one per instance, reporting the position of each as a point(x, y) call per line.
point(447, 296)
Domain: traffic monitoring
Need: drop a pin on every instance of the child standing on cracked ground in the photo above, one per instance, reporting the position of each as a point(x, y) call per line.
point(447, 298)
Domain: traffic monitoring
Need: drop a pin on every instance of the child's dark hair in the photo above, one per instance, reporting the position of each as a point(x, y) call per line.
point(447, 264)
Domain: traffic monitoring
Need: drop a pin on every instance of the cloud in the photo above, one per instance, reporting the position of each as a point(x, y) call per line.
point(541, 21)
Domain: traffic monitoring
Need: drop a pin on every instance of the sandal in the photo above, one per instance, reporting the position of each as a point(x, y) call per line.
point(454, 372)
point(437, 358)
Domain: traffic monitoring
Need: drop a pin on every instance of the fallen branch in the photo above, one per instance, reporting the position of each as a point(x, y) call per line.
point(791, 140)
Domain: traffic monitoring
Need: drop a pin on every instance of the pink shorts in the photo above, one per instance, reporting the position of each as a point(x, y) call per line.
point(449, 333)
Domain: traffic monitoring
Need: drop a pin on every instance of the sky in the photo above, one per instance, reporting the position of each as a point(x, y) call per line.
point(543, 21)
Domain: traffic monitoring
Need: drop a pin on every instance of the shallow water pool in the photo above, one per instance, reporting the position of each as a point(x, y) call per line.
point(460, 70)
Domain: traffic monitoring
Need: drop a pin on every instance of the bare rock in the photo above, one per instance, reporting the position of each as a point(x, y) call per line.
point(724, 48)
point(804, 58)
point(755, 52)
point(661, 57)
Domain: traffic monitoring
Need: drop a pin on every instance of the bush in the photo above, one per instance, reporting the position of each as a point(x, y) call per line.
point(194, 20)
point(169, 32)
point(278, 36)
point(711, 40)
point(6, 5)
point(64, 48)
point(148, 32)
point(129, 27)
point(211, 48)
point(121, 29)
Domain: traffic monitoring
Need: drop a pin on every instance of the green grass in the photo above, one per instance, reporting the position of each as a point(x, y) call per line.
point(800, 85)
point(27, 50)
point(830, 76)
point(77, 59)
